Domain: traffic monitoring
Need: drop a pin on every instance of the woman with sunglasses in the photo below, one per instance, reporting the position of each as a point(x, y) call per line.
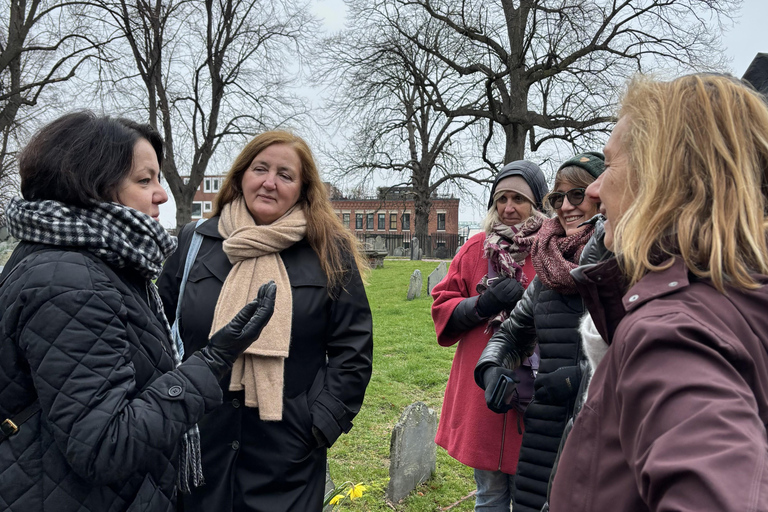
point(547, 314)
point(485, 281)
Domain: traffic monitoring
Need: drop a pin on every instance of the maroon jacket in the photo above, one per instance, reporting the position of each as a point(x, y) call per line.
point(676, 414)
point(470, 432)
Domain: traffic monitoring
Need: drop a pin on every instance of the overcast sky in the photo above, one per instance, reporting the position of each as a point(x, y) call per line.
point(742, 42)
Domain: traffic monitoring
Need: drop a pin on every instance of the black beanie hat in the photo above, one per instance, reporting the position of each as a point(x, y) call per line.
point(592, 161)
point(532, 175)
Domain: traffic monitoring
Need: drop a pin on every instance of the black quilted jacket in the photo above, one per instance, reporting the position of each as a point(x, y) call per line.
point(550, 319)
point(81, 336)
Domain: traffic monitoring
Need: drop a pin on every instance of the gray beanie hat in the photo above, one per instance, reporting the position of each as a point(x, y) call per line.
point(530, 172)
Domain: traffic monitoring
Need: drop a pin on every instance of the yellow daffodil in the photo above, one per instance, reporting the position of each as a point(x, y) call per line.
point(356, 491)
point(336, 499)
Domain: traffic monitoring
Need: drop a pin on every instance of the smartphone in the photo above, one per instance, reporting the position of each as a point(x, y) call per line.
point(503, 393)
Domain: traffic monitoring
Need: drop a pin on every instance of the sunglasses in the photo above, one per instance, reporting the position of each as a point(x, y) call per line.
point(575, 197)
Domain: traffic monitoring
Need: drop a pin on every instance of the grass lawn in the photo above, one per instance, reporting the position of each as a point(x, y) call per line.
point(408, 365)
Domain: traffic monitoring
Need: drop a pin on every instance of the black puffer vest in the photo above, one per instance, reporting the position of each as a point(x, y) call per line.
point(556, 317)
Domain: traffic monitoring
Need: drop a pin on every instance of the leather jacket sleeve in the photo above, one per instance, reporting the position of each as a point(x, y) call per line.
point(515, 339)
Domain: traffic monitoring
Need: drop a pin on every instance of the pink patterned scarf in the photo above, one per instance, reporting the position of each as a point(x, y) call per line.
point(506, 248)
point(554, 255)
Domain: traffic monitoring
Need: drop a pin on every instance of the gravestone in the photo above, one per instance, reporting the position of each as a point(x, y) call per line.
point(399, 251)
point(412, 450)
point(436, 276)
point(414, 286)
point(329, 486)
point(378, 244)
point(415, 249)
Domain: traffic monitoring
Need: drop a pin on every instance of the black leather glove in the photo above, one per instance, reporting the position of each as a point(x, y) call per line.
point(557, 387)
point(503, 293)
point(226, 344)
point(490, 379)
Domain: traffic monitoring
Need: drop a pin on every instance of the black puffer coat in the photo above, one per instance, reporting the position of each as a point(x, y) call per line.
point(81, 336)
point(553, 319)
point(274, 466)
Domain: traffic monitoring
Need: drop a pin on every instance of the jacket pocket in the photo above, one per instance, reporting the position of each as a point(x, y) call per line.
point(578, 466)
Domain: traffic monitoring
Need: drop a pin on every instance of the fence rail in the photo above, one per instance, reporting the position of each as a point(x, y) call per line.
point(434, 245)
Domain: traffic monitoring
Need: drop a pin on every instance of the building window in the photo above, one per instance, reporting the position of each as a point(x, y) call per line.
point(211, 185)
point(406, 222)
point(368, 221)
point(393, 222)
point(207, 206)
point(197, 210)
point(441, 222)
point(382, 224)
point(358, 221)
point(345, 220)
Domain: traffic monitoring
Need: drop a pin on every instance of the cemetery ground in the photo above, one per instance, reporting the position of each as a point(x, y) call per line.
point(408, 366)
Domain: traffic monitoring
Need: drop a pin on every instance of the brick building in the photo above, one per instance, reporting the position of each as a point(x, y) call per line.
point(390, 215)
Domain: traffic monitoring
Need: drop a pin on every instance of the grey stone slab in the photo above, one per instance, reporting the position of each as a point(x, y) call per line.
point(414, 286)
point(412, 450)
point(415, 249)
point(378, 244)
point(436, 276)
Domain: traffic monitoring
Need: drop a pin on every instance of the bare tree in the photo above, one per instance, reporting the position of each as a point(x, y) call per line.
point(212, 71)
point(42, 44)
point(551, 70)
point(385, 87)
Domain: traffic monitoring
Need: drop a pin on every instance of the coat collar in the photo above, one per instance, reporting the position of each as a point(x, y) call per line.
point(604, 290)
point(210, 228)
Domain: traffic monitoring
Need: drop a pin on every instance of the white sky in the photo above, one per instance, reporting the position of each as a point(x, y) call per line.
point(742, 42)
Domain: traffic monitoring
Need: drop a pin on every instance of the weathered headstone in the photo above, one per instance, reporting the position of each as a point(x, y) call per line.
point(329, 486)
point(412, 450)
point(378, 244)
point(399, 251)
point(415, 250)
point(436, 276)
point(414, 286)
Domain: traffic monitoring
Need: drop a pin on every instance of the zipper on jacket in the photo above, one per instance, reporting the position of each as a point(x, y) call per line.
point(503, 436)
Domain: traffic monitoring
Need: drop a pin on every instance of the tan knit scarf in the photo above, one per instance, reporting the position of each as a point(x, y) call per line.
point(254, 252)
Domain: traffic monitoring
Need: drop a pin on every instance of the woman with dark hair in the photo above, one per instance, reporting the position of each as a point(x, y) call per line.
point(676, 411)
point(98, 412)
point(485, 281)
point(547, 317)
point(296, 390)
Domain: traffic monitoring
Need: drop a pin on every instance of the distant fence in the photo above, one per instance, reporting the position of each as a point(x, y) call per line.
point(434, 245)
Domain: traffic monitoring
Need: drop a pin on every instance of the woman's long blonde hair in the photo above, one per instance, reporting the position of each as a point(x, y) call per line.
point(334, 244)
point(698, 157)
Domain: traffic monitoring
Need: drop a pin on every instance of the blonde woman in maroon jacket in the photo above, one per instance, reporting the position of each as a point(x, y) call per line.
point(676, 412)
point(485, 280)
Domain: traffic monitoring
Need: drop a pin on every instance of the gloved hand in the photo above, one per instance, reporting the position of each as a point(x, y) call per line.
point(503, 293)
point(557, 387)
point(490, 379)
point(226, 344)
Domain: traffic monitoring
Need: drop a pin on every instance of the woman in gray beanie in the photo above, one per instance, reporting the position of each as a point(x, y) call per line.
point(486, 279)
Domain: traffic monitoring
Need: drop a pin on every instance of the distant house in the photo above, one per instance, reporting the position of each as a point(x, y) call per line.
point(202, 204)
point(389, 215)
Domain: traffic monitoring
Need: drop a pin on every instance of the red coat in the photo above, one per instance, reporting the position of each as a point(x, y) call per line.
point(468, 430)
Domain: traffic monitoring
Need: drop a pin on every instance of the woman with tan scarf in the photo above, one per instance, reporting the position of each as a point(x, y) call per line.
point(295, 390)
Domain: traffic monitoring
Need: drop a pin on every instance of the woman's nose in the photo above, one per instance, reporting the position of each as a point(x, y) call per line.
point(593, 190)
point(160, 196)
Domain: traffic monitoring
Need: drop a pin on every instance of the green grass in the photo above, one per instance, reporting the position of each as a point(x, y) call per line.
point(408, 366)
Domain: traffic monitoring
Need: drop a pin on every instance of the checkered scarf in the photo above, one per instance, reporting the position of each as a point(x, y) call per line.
point(121, 236)
point(124, 238)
